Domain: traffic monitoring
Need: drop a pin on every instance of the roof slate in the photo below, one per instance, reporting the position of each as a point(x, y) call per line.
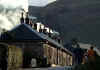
point(25, 32)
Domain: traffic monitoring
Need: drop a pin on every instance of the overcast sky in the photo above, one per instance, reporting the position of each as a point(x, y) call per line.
point(24, 3)
point(40, 2)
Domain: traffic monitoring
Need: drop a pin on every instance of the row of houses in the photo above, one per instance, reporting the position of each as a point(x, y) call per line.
point(34, 45)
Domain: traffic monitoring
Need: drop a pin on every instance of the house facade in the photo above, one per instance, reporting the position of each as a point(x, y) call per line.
point(30, 44)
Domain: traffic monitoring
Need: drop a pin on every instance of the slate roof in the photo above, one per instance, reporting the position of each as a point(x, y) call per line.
point(25, 32)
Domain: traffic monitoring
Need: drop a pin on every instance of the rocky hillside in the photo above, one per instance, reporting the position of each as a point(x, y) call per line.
point(74, 18)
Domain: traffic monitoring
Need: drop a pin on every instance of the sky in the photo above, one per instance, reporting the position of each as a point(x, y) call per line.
point(25, 3)
point(10, 10)
point(14, 3)
point(40, 2)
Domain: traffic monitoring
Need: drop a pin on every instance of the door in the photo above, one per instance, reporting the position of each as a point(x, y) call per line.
point(3, 56)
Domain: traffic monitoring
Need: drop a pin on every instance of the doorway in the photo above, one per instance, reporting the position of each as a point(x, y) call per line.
point(3, 56)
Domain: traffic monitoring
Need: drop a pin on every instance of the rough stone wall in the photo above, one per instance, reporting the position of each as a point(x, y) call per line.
point(56, 56)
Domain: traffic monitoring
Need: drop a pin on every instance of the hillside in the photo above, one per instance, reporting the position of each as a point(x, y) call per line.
point(74, 18)
point(35, 11)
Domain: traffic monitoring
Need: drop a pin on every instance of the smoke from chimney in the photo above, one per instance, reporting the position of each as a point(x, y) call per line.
point(10, 12)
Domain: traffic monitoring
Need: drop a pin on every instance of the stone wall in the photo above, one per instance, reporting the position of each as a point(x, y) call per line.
point(57, 56)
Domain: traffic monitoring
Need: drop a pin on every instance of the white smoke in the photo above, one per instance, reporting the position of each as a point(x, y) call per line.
point(10, 12)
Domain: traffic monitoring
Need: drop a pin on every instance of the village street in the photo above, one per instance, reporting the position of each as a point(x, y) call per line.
point(51, 68)
point(36, 69)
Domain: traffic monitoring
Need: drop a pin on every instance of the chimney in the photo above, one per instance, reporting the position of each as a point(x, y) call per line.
point(59, 40)
point(35, 26)
point(40, 30)
point(49, 34)
point(22, 20)
point(31, 23)
point(44, 30)
point(27, 21)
